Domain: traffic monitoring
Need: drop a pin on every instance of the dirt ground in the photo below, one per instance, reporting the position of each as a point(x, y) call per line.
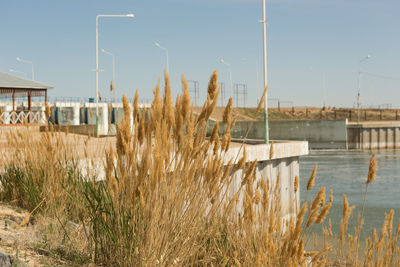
point(19, 239)
point(82, 146)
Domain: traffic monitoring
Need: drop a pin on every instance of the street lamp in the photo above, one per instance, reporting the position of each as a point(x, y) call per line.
point(113, 64)
point(97, 61)
point(264, 34)
point(19, 72)
point(29, 62)
point(230, 73)
point(358, 85)
point(166, 52)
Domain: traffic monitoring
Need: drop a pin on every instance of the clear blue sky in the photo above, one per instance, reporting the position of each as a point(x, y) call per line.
point(305, 39)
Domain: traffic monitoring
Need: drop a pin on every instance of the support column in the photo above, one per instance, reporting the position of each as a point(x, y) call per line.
point(30, 106)
point(13, 113)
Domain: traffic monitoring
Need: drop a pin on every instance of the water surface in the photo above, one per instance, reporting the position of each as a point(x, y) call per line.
point(345, 172)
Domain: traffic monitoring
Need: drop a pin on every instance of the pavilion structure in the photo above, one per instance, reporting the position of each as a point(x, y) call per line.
point(14, 88)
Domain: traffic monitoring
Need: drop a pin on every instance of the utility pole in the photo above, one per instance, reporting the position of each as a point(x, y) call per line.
point(195, 90)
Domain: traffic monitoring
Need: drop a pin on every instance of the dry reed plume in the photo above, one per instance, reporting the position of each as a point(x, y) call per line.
point(112, 88)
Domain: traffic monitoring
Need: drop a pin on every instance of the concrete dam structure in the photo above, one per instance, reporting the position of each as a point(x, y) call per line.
point(323, 134)
point(373, 135)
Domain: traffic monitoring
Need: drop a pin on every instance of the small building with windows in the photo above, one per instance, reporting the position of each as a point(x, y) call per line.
point(22, 99)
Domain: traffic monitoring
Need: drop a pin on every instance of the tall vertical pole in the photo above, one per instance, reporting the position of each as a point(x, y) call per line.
point(264, 29)
point(358, 92)
point(13, 98)
point(358, 85)
point(324, 87)
point(113, 74)
point(30, 106)
point(97, 76)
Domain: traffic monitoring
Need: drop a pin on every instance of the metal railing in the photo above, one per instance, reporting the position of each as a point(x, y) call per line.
point(83, 100)
point(20, 117)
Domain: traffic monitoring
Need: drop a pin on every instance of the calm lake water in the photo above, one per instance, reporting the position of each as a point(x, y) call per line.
point(345, 172)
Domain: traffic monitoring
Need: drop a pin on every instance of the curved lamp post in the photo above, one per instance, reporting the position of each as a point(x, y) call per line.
point(19, 72)
point(28, 62)
point(97, 61)
point(358, 85)
point(230, 74)
point(166, 52)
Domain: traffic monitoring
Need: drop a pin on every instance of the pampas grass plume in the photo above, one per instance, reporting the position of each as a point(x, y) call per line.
point(186, 98)
point(372, 169)
point(311, 181)
point(271, 150)
point(213, 85)
point(112, 86)
point(296, 183)
point(136, 106)
point(168, 110)
point(227, 117)
point(260, 104)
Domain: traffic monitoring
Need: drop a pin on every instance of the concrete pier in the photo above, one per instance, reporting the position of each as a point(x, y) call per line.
point(284, 162)
point(374, 135)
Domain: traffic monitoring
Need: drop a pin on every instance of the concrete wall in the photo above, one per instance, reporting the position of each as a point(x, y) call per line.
point(285, 162)
point(321, 134)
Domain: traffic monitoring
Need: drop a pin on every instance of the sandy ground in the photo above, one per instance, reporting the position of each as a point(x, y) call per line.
point(82, 146)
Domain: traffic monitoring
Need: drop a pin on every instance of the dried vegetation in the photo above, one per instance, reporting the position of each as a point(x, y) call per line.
point(167, 197)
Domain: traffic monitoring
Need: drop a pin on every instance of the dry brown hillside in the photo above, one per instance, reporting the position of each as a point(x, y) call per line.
point(308, 113)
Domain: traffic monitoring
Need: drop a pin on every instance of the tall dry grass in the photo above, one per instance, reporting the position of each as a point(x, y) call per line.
point(167, 197)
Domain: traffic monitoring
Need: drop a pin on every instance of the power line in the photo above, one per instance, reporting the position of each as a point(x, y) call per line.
point(381, 76)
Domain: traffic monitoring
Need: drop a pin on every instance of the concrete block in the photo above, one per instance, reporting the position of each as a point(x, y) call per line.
point(67, 113)
point(64, 115)
point(117, 115)
point(90, 114)
point(53, 117)
point(82, 115)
